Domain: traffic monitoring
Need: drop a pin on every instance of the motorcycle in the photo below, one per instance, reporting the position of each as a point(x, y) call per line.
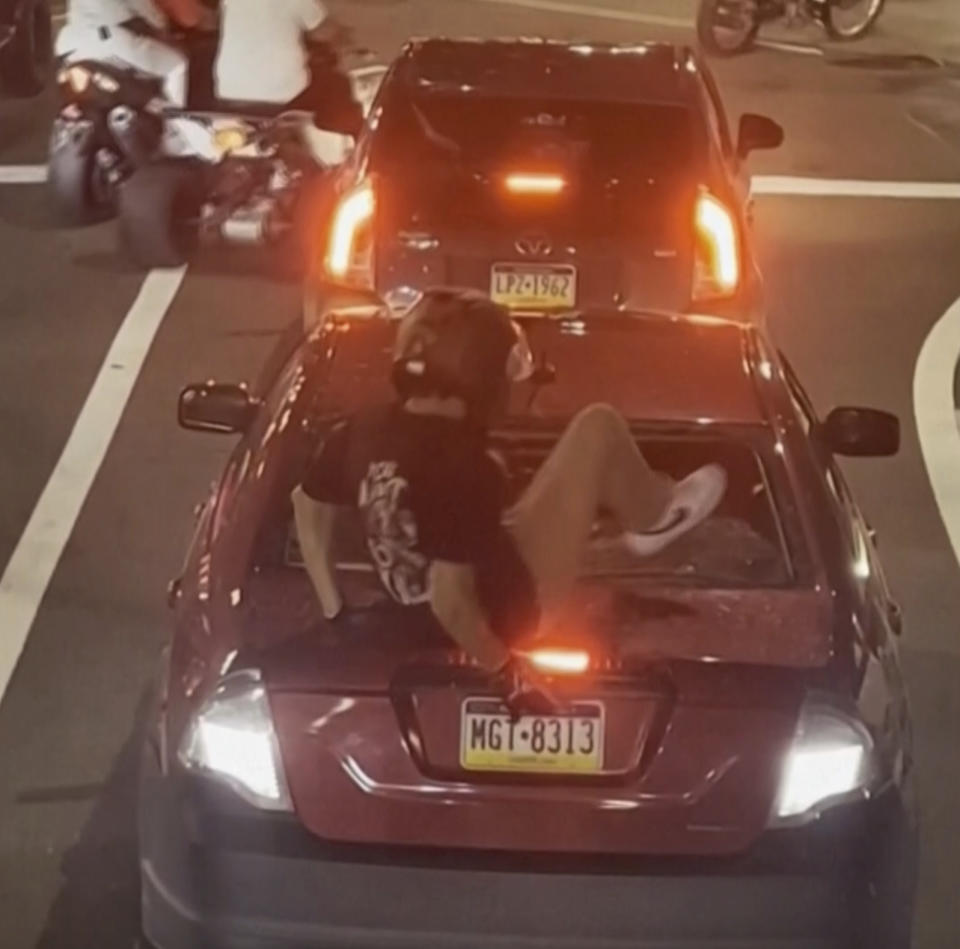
point(244, 175)
point(728, 27)
point(112, 120)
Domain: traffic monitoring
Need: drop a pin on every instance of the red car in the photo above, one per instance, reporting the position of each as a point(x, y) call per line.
point(734, 766)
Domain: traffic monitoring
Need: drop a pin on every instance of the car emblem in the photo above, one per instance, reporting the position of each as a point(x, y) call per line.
point(534, 246)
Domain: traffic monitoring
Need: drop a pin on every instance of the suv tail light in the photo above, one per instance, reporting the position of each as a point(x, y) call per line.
point(716, 262)
point(349, 257)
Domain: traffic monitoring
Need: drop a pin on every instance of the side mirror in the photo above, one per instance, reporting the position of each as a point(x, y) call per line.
point(757, 132)
point(861, 433)
point(215, 407)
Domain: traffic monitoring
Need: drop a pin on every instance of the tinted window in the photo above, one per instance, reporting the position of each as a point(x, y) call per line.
point(603, 138)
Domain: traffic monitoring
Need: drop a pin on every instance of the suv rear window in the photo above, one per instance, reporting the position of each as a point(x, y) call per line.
point(602, 139)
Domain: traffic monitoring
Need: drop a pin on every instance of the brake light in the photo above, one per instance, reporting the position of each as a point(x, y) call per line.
point(529, 183)
point(716, 251)
point(559, 661)
point(346, 259)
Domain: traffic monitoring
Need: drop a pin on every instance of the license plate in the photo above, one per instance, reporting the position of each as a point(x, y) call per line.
point(571, 743)
point(534, 287)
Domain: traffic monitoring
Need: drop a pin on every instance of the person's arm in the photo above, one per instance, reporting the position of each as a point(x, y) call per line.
point(187, 14)
point(454, 601)
point(315, 502)
point(314, 521)
point(330, 32)
point(320, 27)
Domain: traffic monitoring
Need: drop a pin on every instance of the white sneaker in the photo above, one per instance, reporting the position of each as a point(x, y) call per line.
point(694, 500)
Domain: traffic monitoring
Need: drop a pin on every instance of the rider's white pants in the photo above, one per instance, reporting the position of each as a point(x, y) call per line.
point(121, 46)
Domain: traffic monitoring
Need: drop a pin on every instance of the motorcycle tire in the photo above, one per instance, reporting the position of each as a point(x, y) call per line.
point(157, 209)
point(25, 61)
point(706, 24)
point(72, 179)
point(836, 32)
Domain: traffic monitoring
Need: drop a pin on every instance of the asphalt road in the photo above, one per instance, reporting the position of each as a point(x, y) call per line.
point(856, 286)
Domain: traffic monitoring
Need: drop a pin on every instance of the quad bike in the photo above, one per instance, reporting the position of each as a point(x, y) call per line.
point(246, 175)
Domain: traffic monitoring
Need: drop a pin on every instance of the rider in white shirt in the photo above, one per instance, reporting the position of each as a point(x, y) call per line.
point(133, 33)
point(264, 55)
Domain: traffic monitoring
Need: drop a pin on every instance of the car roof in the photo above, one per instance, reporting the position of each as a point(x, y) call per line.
point(660, 73)
point(680, 370)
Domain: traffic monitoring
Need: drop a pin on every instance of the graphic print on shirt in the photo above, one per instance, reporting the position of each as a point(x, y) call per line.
point(391, 531)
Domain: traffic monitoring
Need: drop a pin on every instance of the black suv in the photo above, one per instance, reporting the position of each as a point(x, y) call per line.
point(554, 176)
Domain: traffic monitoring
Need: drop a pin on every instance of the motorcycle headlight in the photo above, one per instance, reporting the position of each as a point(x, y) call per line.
point(105, 83)
point(232, 739)
point(830, 762)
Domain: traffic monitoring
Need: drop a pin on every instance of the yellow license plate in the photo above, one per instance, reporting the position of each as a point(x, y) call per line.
point(571, 743)
point(534, 286)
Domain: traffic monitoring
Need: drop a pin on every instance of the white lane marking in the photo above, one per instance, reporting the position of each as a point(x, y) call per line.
point(22, 174)
point(599, 13)
point(28, 574)
point(852, 188)
point(933, 406)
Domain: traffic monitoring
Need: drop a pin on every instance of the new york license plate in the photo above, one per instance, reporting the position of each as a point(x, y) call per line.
point(569, 743)
point(534, 286)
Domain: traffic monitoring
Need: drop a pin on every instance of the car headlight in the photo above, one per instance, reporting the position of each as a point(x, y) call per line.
point(231, 738)
point(830, 762)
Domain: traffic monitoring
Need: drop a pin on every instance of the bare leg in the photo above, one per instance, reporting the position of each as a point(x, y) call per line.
point(595, 465)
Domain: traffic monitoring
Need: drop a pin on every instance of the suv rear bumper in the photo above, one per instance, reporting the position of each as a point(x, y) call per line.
point(217, 874)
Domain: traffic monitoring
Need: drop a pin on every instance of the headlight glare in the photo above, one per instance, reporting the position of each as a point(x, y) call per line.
point(232, 739)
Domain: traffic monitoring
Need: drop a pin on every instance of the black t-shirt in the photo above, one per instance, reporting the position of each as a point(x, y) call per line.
point(427, 489)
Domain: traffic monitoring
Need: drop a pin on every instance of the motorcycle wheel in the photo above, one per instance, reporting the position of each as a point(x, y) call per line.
point(736, 39)
point(839, 29)
point(158, 208)
point(25, 60)
point(80, 193)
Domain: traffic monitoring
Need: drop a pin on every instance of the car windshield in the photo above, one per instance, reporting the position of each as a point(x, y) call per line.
point(604, 139)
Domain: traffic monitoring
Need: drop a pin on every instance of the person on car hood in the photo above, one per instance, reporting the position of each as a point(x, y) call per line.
point(264, 58)
point(433, 499)
point(134, 33)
